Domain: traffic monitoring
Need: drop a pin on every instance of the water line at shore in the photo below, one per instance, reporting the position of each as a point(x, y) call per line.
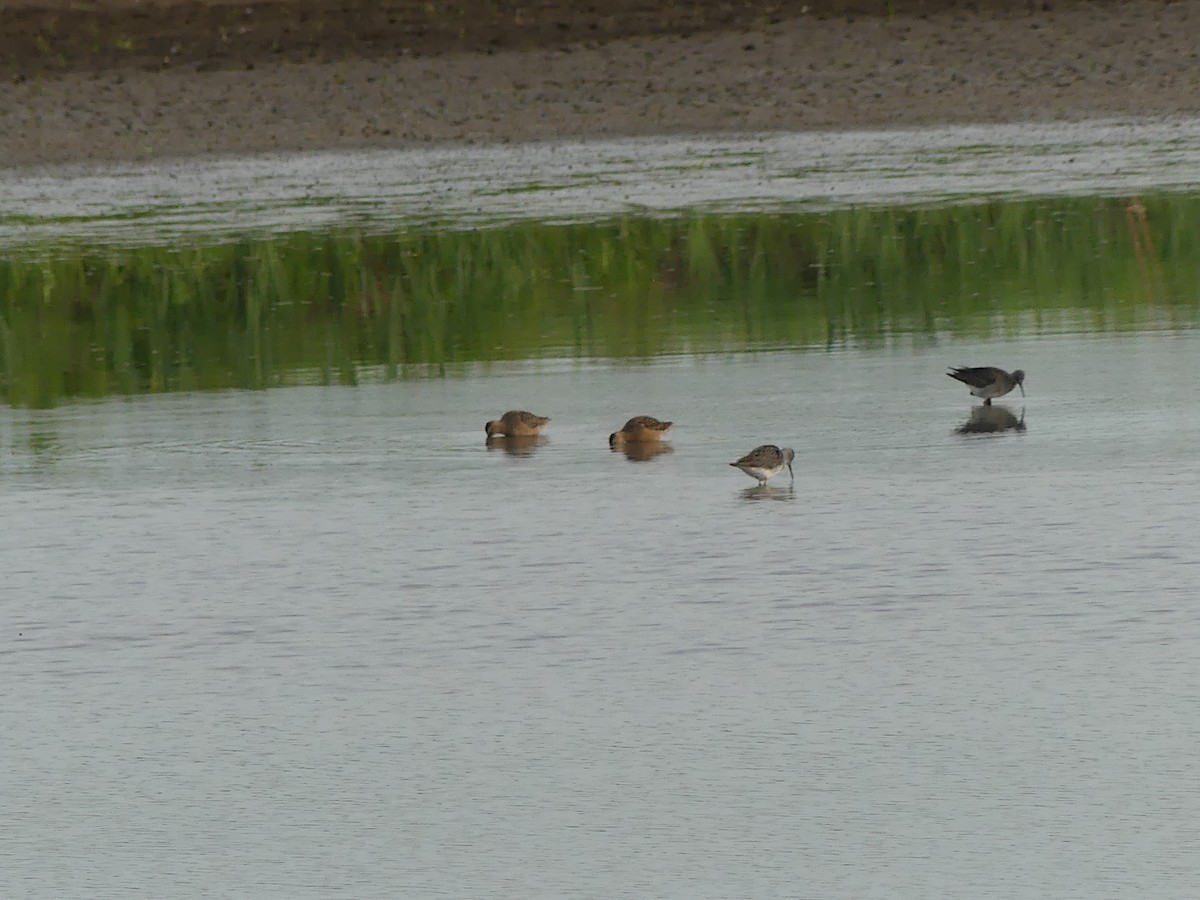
point(378, 190)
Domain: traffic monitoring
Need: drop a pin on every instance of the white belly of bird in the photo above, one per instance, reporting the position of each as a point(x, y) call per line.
point(762, 474)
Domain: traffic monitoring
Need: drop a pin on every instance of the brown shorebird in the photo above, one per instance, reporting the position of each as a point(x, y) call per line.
point(766, 461)
point(988, 381)
point(639, 430)
point(516, 423)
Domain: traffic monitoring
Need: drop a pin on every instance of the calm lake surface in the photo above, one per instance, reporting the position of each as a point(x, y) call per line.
point(319, 639)
point(322, 641)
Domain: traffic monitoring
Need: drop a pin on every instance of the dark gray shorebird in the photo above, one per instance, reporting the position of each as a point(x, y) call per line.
point(988, 381)
point(766, 461)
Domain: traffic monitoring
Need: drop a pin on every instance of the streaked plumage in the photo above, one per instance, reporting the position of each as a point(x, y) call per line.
point(988, 381)
point(639, 429)
point(516, 423)
point(766, 461)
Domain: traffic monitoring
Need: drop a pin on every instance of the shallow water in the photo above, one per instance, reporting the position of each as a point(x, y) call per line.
point(317, 307)
point(325, 642)
point(581, 181)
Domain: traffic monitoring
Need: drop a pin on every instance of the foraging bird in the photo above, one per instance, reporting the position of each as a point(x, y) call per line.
point(516, 423)
point(988, 381)
point(766, 461)
point(639, 430)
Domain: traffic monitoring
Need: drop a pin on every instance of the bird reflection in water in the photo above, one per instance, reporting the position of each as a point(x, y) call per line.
point(516, 444)
point(769, 492)
point(643, 451)
point(991, 420)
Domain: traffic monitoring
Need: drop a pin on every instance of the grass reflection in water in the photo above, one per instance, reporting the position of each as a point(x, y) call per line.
point(335, 307)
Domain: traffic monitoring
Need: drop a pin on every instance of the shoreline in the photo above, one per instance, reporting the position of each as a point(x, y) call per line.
point(1076, 61)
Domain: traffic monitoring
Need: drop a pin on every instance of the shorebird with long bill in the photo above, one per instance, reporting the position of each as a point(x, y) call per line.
point(639, 430)
point(516, 423)
point(988, 381)
point(766, 461)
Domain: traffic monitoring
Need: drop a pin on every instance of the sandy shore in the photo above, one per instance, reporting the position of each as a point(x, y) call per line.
point(799, 71)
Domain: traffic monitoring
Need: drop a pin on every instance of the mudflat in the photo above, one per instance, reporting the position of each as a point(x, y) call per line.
point(113, 80)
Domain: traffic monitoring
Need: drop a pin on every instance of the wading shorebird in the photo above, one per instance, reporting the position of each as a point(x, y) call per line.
point(639, 430)
point(988, 381)
point(766, 461)
point(516, 423)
